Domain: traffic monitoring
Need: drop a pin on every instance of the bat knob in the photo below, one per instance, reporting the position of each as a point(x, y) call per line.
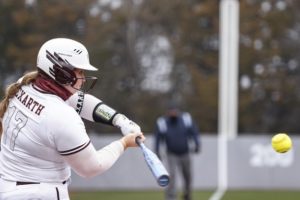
point(163, 180)
point(138, 140)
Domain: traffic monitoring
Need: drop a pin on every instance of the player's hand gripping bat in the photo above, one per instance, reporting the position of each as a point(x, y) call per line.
point(155, 165)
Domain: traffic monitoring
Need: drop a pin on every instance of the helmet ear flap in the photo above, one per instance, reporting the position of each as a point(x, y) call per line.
point(64, 75)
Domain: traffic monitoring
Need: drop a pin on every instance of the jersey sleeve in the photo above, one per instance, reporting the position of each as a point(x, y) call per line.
point(69, 133)
point(95, 162)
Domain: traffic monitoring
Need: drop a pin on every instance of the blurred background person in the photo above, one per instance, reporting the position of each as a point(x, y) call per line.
point(176, 130)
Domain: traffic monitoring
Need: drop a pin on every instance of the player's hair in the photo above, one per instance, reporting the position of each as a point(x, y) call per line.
point(12, 90)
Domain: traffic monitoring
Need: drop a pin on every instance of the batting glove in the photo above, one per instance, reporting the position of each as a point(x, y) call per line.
point(127, 126)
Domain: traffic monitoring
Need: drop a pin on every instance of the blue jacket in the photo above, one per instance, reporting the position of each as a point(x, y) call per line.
point(176, 133)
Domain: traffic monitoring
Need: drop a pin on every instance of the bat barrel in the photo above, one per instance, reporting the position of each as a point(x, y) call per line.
point(155, 165)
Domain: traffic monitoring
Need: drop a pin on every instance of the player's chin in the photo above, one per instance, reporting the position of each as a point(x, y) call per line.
point(77, 87)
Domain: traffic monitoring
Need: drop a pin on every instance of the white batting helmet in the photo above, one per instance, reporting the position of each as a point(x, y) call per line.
point(60, 56)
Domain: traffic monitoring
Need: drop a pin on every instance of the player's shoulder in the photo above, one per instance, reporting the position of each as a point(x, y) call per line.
point(161, 118)
point(62, 118)
point(59, 109)
point(187, 119)
point(186, 114)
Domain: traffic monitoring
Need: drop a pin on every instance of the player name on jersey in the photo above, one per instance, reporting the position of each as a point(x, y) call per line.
point(29, 102)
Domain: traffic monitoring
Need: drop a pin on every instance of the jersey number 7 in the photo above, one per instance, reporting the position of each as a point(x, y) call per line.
point(13, 123)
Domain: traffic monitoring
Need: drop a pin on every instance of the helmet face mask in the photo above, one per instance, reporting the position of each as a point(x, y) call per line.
point(59, 57)
point(88, 84)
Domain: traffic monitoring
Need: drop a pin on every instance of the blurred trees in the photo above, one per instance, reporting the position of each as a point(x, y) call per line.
point(25, 25)
point(150, 53)
point(155, 57)
point(269, 66)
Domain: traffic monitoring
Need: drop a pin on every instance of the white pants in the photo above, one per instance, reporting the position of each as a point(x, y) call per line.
point(43, 191)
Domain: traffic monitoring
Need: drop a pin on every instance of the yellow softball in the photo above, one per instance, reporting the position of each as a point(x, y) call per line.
point(281, 142)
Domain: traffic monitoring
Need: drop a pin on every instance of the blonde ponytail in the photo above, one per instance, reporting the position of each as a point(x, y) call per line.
point(12, 90)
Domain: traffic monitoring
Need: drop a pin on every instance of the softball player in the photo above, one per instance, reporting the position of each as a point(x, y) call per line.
point(43, 136)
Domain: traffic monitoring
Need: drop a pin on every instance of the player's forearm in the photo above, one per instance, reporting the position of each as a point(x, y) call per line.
point(93, 109)
point(108, 155)
point(89, 162)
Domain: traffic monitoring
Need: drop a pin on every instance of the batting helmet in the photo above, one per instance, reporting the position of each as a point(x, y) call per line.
point(60, 56)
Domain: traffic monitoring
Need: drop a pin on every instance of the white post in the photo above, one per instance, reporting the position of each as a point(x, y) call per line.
point(228, 88)
point(228, 66)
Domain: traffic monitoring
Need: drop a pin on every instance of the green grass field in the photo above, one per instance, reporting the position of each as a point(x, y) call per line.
point(197, 195)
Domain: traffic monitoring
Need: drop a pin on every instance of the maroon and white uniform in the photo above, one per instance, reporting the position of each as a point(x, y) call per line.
point(42, 137)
